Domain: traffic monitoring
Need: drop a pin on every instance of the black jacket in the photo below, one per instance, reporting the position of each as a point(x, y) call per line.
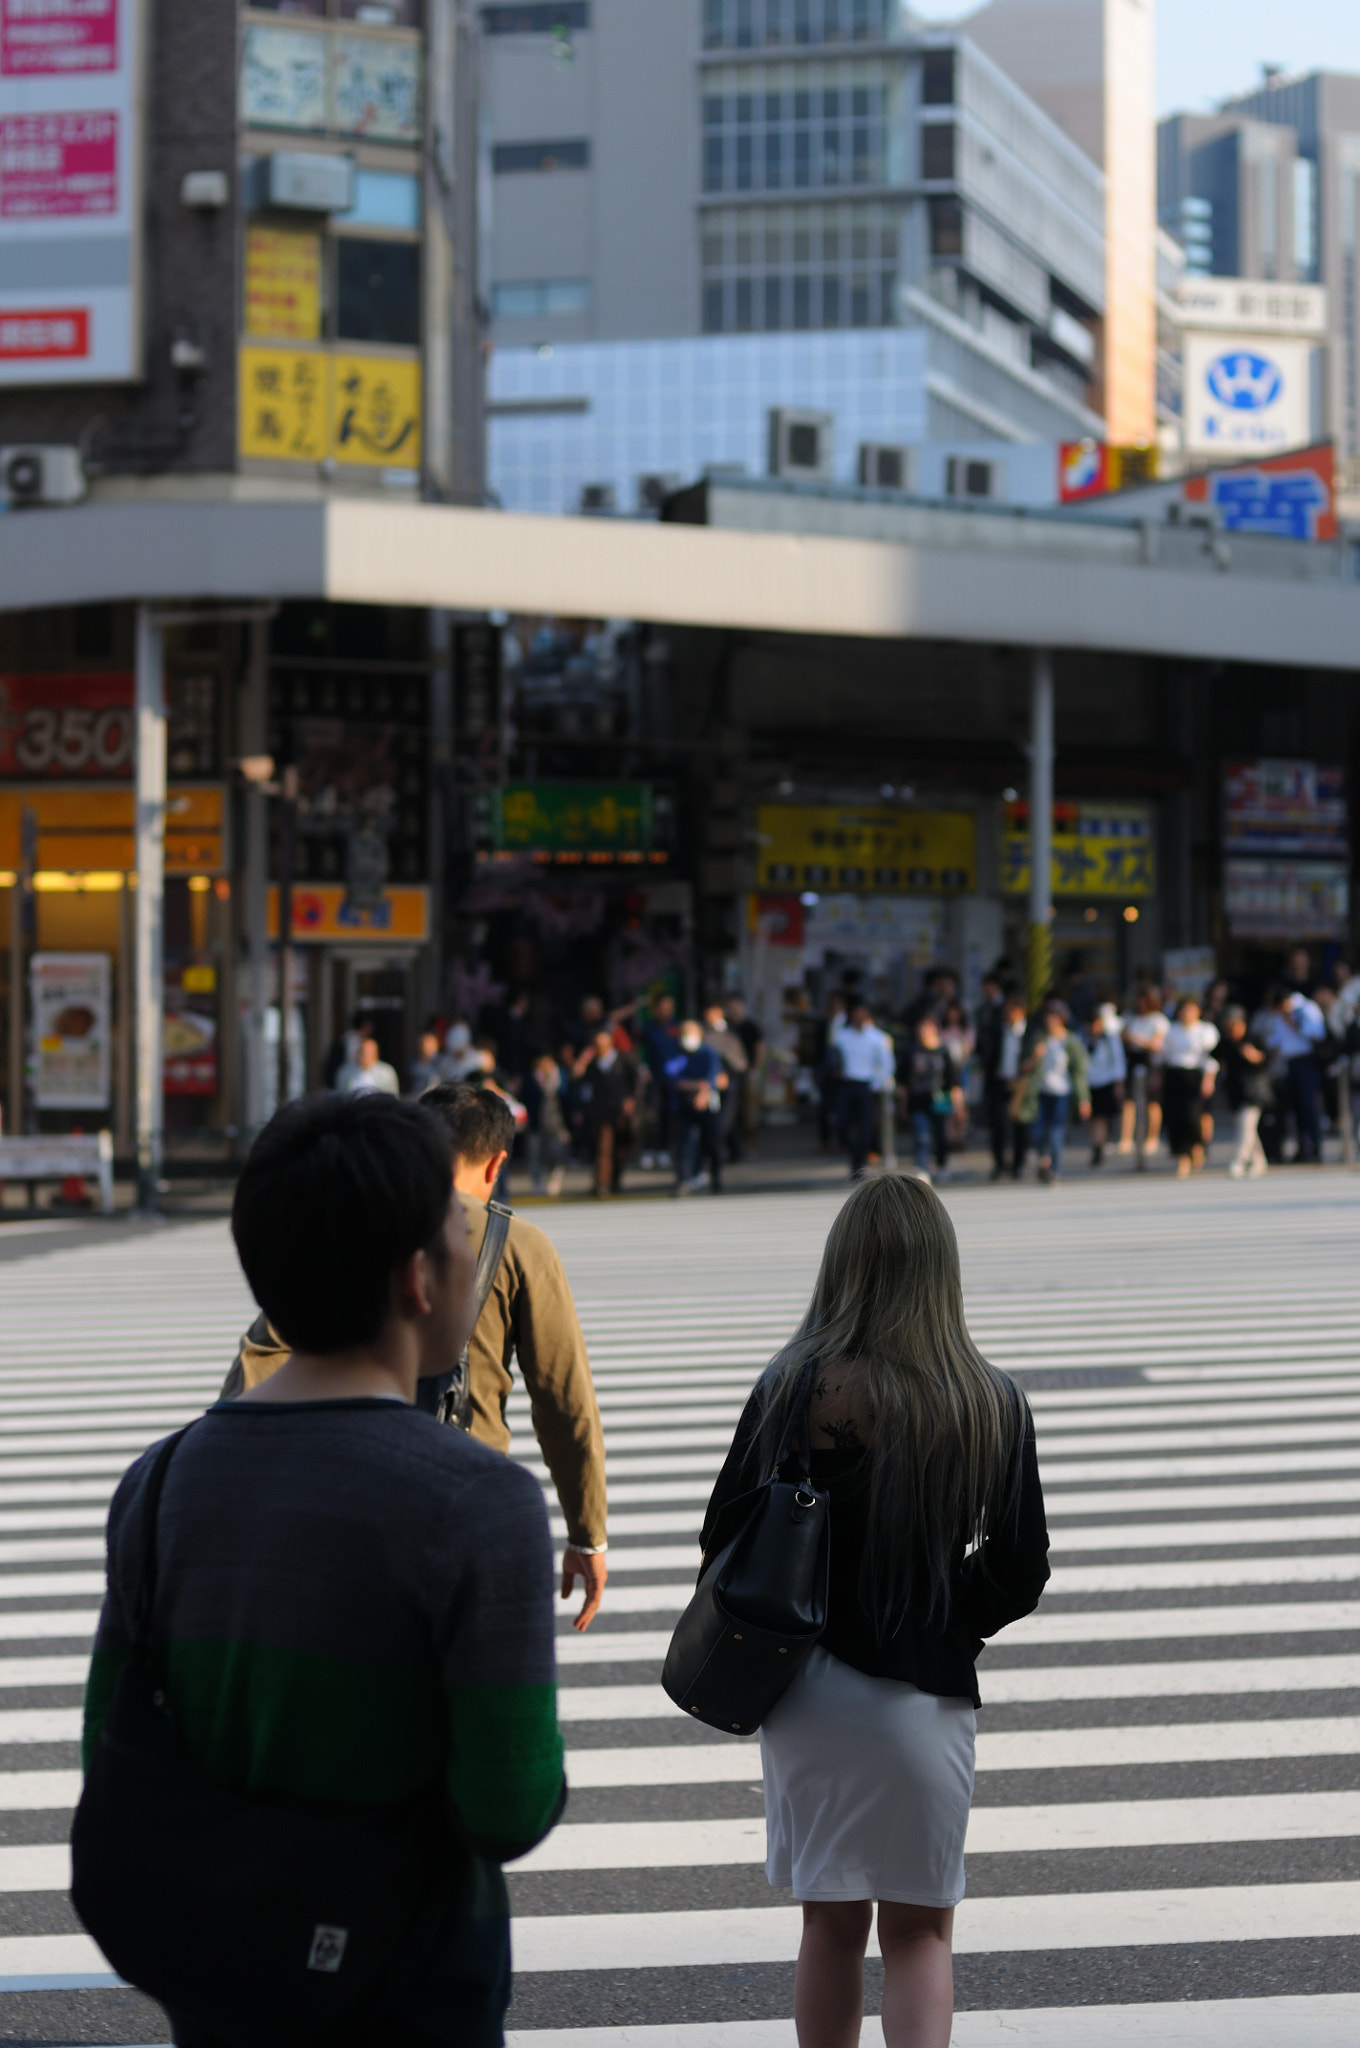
point(989, 1588)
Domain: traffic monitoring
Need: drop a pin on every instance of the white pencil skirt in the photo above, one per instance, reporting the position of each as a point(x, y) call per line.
point(868, 1782)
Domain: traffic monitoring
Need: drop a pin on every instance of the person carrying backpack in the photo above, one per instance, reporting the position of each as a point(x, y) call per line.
point(527, 1318)
point(321, 1711)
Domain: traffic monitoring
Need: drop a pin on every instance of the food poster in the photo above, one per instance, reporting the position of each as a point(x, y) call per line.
point(189, 1030)
point(69, 993)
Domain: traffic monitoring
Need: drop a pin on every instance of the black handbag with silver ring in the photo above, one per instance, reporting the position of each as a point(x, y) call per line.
point(761, 1602)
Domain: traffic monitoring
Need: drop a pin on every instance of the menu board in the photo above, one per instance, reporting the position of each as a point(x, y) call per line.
point(69, 993)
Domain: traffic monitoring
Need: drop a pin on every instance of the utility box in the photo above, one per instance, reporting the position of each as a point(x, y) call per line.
point(802, 445)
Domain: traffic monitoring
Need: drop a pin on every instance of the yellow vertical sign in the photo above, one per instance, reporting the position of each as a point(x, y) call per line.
point(283, 284)
point(375, 410)
point(283, 404)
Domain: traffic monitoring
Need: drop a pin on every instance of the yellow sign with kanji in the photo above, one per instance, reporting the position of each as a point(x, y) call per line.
point(878, 852)
point(283, 413)
point(1099, 849)
point(304, 405)
point(283, 284)
point(375, 410)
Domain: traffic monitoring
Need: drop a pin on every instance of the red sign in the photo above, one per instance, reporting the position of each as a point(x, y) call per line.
point(58, 165)
point(45, 335)
point(59, 728)
point(1083, 470)
point(51, 38)
point(1292, 496)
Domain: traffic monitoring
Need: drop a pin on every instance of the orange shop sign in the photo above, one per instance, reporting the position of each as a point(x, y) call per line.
point(321, 914)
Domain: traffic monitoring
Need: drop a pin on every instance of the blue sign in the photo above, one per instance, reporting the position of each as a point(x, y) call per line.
point(1257, 501)
point(1245, 381)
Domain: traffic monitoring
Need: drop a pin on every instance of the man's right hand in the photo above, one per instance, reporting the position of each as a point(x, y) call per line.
point(590, 1568)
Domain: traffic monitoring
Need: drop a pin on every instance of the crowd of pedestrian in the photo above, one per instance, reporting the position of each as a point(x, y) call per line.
point(603, 1088)
point(1163, 1071)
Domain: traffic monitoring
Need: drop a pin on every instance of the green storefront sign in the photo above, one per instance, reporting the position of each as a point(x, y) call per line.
point(574, 820)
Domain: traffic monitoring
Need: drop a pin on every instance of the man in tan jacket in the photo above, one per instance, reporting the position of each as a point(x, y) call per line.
point(529, 1317)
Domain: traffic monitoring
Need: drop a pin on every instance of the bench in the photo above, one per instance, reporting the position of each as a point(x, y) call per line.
point(59, 1157)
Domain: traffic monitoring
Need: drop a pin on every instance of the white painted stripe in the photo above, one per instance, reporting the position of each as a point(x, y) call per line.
point(27, 1469)
point(992, 1831)
point(1042, 1630)
point(1056, 1420)
point(41, 1724)
point(13, 1520)
point(23, 1671)
point(770, 1934)
point(1067, 1515)
point(49, 1585)
point(1084, 1580)
point(38, 1791)
point(1073, 1446)
point(1061, 1503)
point(36, 1867)
point(49, 1550)
point(53, 1962)
point(1330, 2020)
point(73, 1492)
point(1226, 1676)
point(737, 1760)
point(1089, 1471)
point(36, 1625)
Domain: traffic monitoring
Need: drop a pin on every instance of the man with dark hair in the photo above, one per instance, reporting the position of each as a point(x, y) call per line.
point(530, 1317)
point(353, 1605)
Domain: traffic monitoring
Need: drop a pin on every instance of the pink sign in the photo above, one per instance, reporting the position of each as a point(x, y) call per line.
point(46, 38)
point(56, 164)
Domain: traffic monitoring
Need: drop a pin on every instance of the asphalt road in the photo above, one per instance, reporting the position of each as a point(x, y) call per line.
point(1166, 1836)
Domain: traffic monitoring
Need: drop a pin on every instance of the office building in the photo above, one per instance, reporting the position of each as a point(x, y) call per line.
point(829, 170)
point(1089, 64)
point(237, 262)
point(1266, 188)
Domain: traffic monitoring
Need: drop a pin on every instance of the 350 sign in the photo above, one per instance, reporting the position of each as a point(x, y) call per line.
point(76, 727)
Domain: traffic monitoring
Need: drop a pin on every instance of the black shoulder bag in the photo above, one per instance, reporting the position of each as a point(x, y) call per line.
point(267, 1923)
point(448, 1396)
point(760, 1605)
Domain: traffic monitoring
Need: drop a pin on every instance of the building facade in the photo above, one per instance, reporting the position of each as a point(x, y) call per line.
point(815, 179)
point(1266, 188)
point(237, 261)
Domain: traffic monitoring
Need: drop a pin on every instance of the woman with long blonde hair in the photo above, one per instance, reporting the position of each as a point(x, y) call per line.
point(937, 1541)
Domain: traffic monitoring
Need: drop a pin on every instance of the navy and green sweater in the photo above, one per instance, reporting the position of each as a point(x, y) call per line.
point(355, 1604)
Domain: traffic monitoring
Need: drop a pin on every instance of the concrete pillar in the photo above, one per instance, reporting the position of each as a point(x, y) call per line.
point(149, 916)
point(1040, 962)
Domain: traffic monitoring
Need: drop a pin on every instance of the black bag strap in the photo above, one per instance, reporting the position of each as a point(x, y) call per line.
point(139, 1631)
point(797, 1438)
point(455, 1401)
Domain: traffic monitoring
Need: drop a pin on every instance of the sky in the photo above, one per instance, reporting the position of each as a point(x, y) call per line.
point(1208, 49)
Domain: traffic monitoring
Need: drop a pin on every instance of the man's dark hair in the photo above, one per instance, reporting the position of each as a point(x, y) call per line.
point(477, 1119)
point(338, 1192)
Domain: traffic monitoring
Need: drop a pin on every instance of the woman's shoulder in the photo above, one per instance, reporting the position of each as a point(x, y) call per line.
point(840, 1410)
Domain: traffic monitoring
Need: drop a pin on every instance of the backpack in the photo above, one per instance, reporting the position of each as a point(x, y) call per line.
point(266, 1922)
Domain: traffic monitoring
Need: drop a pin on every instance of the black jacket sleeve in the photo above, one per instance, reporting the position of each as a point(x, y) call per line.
point(1003, 1578)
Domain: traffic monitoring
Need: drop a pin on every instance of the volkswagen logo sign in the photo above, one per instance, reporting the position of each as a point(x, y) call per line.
point(1245, 381)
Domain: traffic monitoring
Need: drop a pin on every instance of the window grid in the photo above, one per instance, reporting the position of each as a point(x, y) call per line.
point(796, 268)
point(815, 136)
point(765, 24)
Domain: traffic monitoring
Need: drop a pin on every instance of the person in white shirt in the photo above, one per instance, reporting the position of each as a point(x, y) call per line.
point(1296, 1031)
point(1188, 1071)
point(868, 1072)
point(1001, 1085)
point(1106, 1073)
point(370, 1074)
point(1143, 1035)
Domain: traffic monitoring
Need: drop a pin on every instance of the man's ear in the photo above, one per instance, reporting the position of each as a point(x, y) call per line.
point(493, 1168)
point(411, 1286)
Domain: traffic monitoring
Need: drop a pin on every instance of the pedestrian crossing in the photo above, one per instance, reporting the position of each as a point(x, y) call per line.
point(1166, 1837)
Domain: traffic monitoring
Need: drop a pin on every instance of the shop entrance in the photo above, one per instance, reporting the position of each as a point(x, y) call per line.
point(376, 988)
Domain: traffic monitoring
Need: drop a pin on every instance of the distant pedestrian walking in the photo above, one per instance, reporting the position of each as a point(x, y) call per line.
point(607, 1085)
point(868, 1072)
point(368, 1073)
point(1188, 1070)
point(1247, 1083)
point(1054, 1085)
point(1107, 1071)
point(934, 1095)
point(925, 1451)
point(698, 1078)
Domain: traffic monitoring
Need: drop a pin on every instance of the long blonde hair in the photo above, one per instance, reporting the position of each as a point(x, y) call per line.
point(946, 1425)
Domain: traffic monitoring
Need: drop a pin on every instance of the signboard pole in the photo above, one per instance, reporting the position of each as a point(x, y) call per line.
point(150, 916)
point(1040, 964)
point(253, 735)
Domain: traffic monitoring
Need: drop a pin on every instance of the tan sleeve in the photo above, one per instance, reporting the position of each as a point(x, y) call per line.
point(556, 1369)
point(259, 1355)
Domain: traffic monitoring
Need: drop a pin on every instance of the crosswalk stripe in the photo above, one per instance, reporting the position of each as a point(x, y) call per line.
point(1202, 1464)
point(1124, 1919)
point(737, 1762)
